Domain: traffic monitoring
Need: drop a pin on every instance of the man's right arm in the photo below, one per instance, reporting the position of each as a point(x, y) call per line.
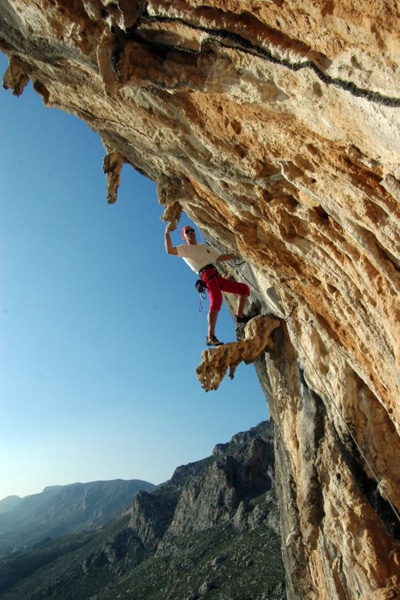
point(169, 248)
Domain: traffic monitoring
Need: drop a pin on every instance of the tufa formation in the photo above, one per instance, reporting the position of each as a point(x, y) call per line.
point(275, 126)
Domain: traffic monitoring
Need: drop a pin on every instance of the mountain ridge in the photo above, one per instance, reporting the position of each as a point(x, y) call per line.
point(212, 529)
point(8, 503)
point(59, 509)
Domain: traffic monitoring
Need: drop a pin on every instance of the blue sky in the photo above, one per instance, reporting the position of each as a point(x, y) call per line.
point(100, 332)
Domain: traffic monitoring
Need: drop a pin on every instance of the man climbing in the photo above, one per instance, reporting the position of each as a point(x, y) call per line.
point(200, 258)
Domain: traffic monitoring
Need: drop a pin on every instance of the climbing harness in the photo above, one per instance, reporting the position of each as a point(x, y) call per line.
point(201, 287)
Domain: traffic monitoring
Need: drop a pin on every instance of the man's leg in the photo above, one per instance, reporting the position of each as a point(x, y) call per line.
point(212, 321)
point(241, 303)
point(215, 296)
point(241, 289)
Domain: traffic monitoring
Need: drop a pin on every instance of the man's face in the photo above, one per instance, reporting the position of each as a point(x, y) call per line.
point(190, 234)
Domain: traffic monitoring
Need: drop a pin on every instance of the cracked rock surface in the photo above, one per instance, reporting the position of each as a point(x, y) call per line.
point(275, 126)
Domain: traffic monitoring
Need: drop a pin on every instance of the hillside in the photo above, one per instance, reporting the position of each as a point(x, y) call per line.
point(9, 503)
point(64, 509)
point(212, 529)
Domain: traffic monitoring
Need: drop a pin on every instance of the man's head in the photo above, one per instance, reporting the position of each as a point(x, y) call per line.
point(188, 234)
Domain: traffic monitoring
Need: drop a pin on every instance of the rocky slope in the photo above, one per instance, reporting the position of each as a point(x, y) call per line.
point(275, 126)
point(63, 508)
point(212, 530)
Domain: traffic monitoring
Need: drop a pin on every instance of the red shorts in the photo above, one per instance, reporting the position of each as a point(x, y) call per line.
point(216, 284)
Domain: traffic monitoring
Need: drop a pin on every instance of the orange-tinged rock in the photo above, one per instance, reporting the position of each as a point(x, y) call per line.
point(216, 362)
point(274, 125)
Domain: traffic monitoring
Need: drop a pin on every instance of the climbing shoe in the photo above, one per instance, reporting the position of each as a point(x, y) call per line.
point(212, 341)
point(243, 319)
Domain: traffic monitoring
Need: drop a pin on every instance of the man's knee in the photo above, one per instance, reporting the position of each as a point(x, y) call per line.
point(216, 305)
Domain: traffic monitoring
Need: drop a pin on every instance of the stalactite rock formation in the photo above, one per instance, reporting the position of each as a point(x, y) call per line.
point(216, 362)
point(275, 126)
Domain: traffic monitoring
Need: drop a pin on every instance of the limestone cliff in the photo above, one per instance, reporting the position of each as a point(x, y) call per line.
point(275, 126)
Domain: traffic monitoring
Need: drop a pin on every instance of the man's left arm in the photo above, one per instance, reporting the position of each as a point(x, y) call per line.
point(225, 257)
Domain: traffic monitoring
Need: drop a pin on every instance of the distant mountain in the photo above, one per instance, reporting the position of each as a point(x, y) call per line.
point(212, 530)
point(64, 509)
point(9, 503)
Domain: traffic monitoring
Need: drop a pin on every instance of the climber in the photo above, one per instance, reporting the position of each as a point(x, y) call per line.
point(200, 258)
